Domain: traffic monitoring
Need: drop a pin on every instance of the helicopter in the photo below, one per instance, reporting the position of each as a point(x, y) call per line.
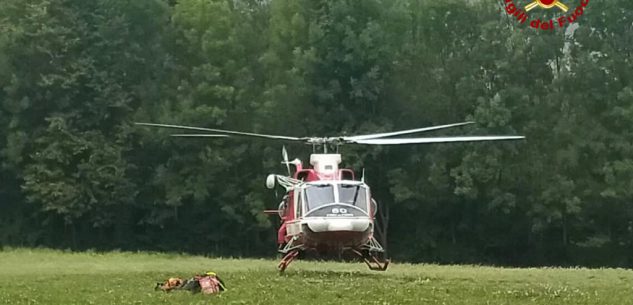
point(327, 209)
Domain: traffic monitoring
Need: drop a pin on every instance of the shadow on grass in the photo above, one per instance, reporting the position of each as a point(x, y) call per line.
point(331, 274)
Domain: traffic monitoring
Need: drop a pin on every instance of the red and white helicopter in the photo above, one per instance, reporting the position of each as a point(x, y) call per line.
point(325, 208)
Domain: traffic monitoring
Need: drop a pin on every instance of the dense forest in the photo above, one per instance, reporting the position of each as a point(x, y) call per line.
point(77, 173)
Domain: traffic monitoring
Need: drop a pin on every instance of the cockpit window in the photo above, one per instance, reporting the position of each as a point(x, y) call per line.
point(353, 194)
point(318, 195)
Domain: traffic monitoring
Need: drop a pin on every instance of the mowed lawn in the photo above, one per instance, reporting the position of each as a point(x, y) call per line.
point(55, 277)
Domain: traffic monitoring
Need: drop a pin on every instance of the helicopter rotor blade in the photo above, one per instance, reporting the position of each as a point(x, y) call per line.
point(199, 135)
point(369, 139)
point(222, 131)
point(401, 132)
point(435, 140)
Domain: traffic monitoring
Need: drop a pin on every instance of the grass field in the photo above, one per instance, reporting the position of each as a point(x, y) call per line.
point(55, 277)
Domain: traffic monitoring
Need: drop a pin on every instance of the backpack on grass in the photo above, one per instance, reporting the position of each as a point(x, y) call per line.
point(208, 283)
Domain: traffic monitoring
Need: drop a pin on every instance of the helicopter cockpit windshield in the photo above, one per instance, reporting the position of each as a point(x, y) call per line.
point(317, 195)
point(353, 194)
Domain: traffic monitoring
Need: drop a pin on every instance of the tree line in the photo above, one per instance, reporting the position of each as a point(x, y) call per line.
point(77, 173)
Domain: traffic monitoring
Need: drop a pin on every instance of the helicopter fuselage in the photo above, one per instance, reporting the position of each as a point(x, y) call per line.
point(326, 210)
point(328, 215)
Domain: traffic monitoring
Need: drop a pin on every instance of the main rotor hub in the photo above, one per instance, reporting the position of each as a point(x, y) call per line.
point(326, 140)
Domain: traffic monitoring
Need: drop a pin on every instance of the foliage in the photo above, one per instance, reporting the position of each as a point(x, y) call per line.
point(77, 173)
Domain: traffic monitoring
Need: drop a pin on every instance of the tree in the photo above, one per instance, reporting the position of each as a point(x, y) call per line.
point(77, 70)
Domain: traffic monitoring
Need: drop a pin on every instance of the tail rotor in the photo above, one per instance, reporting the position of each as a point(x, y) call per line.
point(284, 155)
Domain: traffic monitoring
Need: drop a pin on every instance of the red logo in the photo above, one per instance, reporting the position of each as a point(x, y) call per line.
point(546, 4)
point(520, 13)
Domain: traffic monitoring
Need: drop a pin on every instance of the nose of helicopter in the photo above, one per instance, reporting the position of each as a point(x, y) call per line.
point(330, 224)
point(335, 232)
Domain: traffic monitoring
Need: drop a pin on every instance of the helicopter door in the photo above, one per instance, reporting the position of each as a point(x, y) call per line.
point(293, 226)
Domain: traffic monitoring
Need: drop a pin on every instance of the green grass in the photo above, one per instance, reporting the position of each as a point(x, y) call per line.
point(56, 277)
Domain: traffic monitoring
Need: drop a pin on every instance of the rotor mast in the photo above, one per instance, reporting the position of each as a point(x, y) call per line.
point(322, 143)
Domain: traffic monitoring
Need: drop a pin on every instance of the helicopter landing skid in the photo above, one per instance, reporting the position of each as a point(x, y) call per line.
point(286, 260)
point(373, 260)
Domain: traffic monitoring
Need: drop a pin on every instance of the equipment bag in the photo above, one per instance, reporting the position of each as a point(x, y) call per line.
point(208, 283)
